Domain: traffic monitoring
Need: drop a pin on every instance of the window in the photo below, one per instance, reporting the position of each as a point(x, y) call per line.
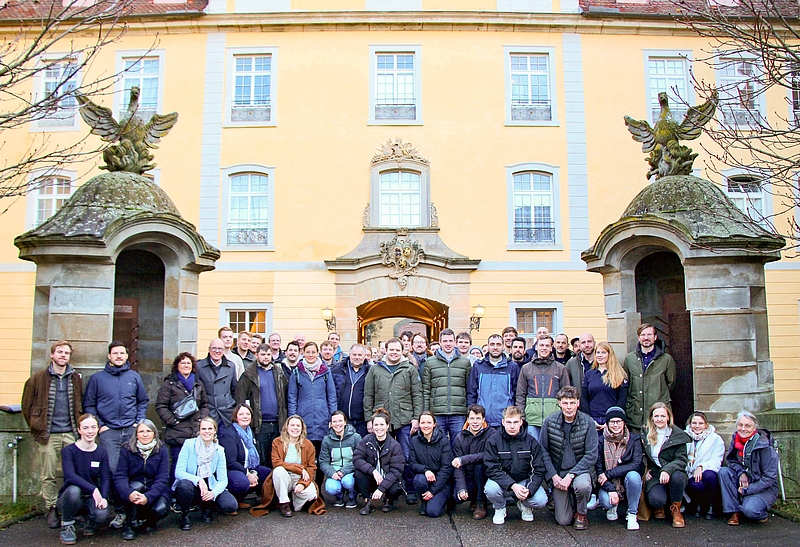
point(530, 90)
point(144, 69)
point(49, 193)
point(248, 207)
point(249, 316)
point(670, 75)
point(400, 201)
point(527, 317)
point(738, 92)
point(746, 193)
point(250, 97)
point(795, 93)
point(395, 86)
point(58, 81)
point(533, 206)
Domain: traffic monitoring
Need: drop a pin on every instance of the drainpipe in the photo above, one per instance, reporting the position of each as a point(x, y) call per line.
point(14, 445)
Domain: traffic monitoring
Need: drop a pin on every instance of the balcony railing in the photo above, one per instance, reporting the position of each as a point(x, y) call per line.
point(534, 232)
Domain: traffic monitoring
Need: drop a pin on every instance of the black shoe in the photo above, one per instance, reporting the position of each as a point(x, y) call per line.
point(128, 533)
point(90, 528)
point(208, 515)
point(388, 506)
point(52, 519)
point(186, 522)
point(411, 498)
point(368, 508)
point(423, 509)
point(709, 515)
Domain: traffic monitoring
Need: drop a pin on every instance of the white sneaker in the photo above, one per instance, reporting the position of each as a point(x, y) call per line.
point(119, 521)
point(611, 514)
point(593, 503)
point(633, 524)
point(527, 512)
point(499, 516)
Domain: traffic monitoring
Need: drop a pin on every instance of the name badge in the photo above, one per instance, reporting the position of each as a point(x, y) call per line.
point(95, 464)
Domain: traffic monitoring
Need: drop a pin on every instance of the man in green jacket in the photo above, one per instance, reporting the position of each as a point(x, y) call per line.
point(651, 376)
point(394, 384)
point(444, 385)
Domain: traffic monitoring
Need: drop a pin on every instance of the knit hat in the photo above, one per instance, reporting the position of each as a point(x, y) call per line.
point(616, 412)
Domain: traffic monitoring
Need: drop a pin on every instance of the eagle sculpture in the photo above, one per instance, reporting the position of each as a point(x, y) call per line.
point(667, 155)
point(133, 135)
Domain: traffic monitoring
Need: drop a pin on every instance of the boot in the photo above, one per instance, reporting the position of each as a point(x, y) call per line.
point(659, 513)
point(734, 519)
point(677, 518)
point(128, 533)
point(52, 518)
point(207, 515)
point(285, 509)
point(480, 511)
point(186, 522)
point(368, 508)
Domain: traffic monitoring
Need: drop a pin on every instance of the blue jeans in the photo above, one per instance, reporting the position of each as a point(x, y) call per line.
point(498, 497)
point(112, 440)
point(403, 436)
point(633, 491)
point(535, 431)
point(438, 503)
point(452, 425)
point(348, 482)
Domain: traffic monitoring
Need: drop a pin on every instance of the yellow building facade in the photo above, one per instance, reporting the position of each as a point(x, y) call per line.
point(280, 158)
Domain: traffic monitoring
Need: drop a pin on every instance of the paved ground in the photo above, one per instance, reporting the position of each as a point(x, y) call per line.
point(346, 528)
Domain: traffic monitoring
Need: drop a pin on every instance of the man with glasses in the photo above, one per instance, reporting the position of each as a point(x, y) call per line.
point(219, 378)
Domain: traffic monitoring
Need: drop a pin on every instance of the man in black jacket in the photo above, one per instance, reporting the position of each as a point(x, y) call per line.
point(515, 468)
point(349, 376)
point(468, 468)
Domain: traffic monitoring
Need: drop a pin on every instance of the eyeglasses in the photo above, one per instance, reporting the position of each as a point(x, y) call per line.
point(616, 422)
point(216, 349)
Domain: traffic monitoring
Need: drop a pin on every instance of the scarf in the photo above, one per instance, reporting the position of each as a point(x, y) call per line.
point(146, 449)
point(698, 439)
point(613, 449)
point(312, 369)
point(204, 456)
point(739, 443)
point(246, 436)
point(187, 382)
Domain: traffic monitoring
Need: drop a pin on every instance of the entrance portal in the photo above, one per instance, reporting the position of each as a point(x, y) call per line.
point(661, 301)
point(427, 314)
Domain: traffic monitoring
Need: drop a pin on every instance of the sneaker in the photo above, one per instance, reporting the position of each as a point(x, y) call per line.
point(593, 503)
point(339, 502)
point(499, 516)
point(352, 503)
point(118, 522)
point(633, 524)
point(527, 512)
point(90, 528)
point(67, 535)
point(581, 522)
point(611, 514)
point(175, 508)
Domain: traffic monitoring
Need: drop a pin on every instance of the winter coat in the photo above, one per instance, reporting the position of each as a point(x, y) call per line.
point(597, 396)
point(631, 460)
point(761, 465)
point(434, 455)
point(116, 395)
point(37, 407)
point(509, 460)
point(248, 388)
point(186, 468)
point(645, 390)
point(172, 392)
point(400, 393)
point(673, 456)
point(583, 438)
point(493, 387)
point(444, 385)
point(314, 400)
point(390, 461)
point(350, 388)
point(153, 473)
point(235, 453)
point(469, 448)
point(576, 369)
point(220, 388)
point(336, 454)
point(706, 453)
point(538, 384)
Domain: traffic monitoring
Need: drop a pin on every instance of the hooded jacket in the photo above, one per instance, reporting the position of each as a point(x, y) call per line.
point(248, 388)
point(37, 405)
point(705, 451)
point(314, 400)
point(444, 384)
point(538, 384)
point(647, 389)
point(469, 447)
point(434, 455)
point(220, 388)
point(512, 459)
point(673, 455)
point(399, 392)
point(631, 460)
point(761, 465)
point(172, 392)
point(493, 387)
point(350, 388)
point(336, 454)
point(389, 461)
point(116, 395)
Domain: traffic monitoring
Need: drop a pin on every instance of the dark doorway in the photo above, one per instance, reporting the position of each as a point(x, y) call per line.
point(661, 301)
point(139, 309)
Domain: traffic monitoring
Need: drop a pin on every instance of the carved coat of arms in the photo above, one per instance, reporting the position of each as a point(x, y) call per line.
point(403, 257)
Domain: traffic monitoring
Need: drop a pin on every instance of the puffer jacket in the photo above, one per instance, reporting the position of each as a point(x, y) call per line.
point(314, 400)
point(493, 387)
point(248, 388)
point(172, 392)
point(647, 389)
point(389, 461)
point(512, 459)
point(37, 406)
point(538, 384)
point(336, 453)
point(434, 455)
point(400, 393)
point(444, 385)
point(631, 460)
point(673, 456)
point(469, 447)
point(760, 462)
point(583, 438)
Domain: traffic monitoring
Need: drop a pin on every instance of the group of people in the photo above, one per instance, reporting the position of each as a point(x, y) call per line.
point(441, 424)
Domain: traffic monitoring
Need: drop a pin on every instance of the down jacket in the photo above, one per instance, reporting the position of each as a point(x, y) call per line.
point(434, 455)
point(389, 461)
point(761, 465)
point(444, 384)
point(583, 438)
point(538, 384)
point(336, 453)
point(172, 392)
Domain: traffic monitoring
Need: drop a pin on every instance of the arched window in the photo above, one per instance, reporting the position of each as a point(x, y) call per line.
point(49, 194)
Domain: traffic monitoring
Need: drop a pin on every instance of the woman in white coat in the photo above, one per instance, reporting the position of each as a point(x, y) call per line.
point(705, 459)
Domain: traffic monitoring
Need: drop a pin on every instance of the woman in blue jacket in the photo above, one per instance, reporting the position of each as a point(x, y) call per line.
point(430, 460)
point(312, 394)
point(245, 470)
point(141, 479)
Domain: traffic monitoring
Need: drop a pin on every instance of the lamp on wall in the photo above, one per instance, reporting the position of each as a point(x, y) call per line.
point(330, 319)
point(475, 320)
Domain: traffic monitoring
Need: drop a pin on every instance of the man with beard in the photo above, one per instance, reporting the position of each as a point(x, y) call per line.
point(651, 376)
point(538, 385)
point(582, 362)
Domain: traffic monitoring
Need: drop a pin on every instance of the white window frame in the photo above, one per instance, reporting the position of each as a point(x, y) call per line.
point(556, 306)
point(550, 53)
point(676, 104)
point(375, 193)
point(226, 307)
point(794, 97)
point(739, 117)
point(767, 209)
point(230, 88)
point(120, 97)
point(554, 172)
point(379, 49)
point(226, 174)
point(33, 198)
point(49, 122)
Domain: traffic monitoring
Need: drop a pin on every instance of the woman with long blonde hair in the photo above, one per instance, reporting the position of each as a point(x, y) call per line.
point(605, 385)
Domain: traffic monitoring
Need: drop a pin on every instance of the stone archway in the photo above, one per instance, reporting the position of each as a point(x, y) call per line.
point(432, 314)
